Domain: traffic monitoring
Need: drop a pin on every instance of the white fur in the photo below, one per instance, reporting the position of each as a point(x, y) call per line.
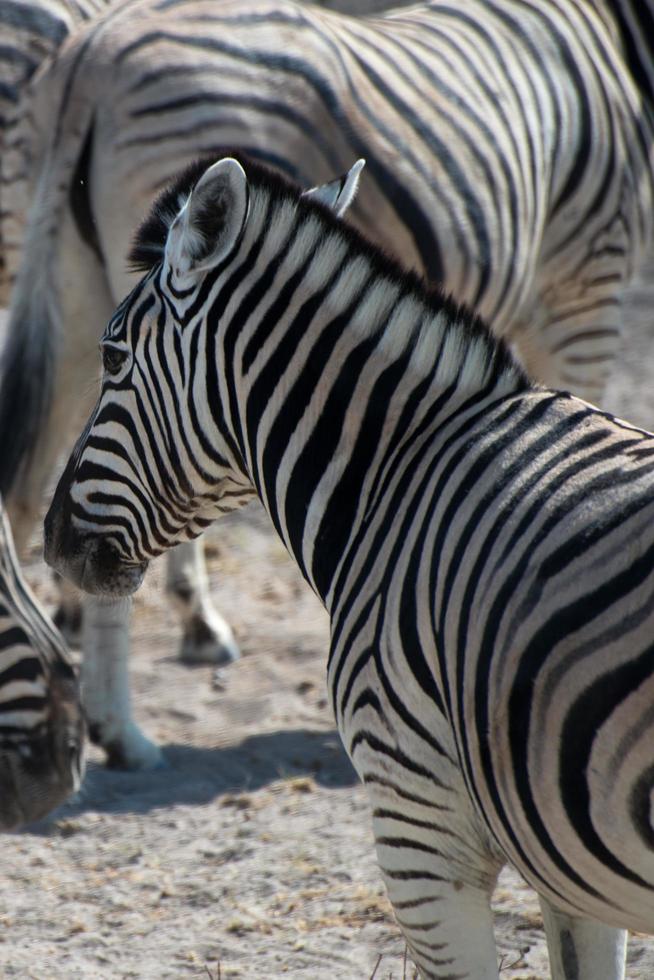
point(224, 182)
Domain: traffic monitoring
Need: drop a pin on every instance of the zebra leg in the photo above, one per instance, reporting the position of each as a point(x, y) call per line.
point(105, 686)
point(207, 638)
point(442, 909)
point(581, 949)
point(68, 615)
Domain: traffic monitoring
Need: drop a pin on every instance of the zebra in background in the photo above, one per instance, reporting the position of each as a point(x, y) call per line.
point(41, 721)
point(509, 148)
point(483, 545)
point(31, 33)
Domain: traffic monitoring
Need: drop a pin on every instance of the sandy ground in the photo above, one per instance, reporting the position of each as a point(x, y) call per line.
point(251, 855)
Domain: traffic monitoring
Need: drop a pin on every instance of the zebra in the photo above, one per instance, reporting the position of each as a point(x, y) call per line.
point(32, 33)
point(42, 751)
point(509, 149)
point(29, 34)
point(482, 544)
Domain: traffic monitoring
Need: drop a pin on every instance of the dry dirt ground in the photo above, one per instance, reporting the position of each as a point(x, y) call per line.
point(251, 855)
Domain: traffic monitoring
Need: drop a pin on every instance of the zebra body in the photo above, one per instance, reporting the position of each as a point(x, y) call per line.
point(508, 148)
point(31, 32)
point(41, 722)
point(525, 182)
point(483, 547)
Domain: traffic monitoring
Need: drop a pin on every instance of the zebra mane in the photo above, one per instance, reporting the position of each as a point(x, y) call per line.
point(149, 244)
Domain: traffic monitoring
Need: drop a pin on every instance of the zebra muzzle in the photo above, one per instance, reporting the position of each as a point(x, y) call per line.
point(91, 562)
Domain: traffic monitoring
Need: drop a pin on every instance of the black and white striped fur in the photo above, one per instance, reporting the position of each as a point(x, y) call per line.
point(41, 722)
point(509, 154)
point(509, 142)
point(484, 547)
point(30, 33)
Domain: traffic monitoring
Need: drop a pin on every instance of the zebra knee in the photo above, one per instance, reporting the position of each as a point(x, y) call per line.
point(446, 920)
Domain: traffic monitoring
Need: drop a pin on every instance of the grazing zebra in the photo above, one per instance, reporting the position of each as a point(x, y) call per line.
point(484, 547)
point(508, 146)
point(41, 722)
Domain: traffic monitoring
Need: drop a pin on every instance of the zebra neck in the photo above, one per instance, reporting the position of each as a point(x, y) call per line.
point(634, 22)
point(352, 368)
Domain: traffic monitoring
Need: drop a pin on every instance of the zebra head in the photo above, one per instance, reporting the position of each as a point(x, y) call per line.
point(42, 751)
point(163, 454)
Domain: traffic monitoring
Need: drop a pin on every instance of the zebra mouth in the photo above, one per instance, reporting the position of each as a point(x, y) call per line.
point(94, 565)
point(103, 573)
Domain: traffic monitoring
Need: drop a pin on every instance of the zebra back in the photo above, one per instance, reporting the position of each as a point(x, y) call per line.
point(537, 218)
point(31, 33)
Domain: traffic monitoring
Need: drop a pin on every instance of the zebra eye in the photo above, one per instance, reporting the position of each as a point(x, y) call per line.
point(113, 358)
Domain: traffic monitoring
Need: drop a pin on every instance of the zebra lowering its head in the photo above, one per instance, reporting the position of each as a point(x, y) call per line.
point(483, 546)
point(41, 721)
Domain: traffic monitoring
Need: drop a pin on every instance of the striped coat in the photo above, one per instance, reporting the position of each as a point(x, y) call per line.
point(484, 548)
point(508, 148)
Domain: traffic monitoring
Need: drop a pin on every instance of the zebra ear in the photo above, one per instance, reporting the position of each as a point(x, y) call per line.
point(210, 223)
point(338, 194)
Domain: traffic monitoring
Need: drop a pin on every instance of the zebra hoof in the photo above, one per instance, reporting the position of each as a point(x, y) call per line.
point(208, 642)
point(129, 749)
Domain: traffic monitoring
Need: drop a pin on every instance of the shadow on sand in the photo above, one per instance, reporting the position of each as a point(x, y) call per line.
point(196, 776)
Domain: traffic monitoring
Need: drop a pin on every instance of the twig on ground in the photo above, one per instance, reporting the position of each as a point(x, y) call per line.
point(379, 959)
point(509, 966)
